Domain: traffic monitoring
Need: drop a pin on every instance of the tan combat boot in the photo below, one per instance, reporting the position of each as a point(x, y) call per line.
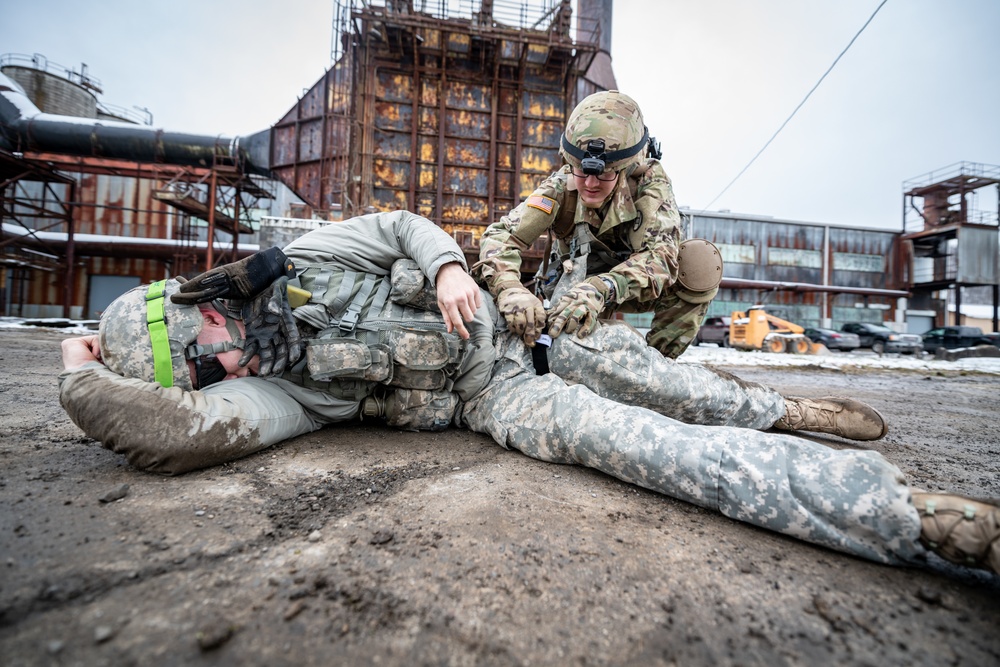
point(840, 416)
point(960, 530)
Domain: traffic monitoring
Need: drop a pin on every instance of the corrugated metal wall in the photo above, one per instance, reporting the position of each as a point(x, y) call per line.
point(773, 251)
point(449, 118)
point(121, 207)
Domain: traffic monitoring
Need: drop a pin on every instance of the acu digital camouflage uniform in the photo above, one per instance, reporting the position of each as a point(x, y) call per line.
point(610, 402)
point(633, 238)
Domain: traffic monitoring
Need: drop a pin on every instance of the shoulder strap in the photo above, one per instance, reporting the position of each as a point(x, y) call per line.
point(563, 225)
point(349, 320)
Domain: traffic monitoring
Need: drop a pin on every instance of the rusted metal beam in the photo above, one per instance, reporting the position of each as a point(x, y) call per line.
point(737, 283)
point(442, 111)
point(70, 276)
point(518, 122)
point(211, 221)
point(411, 196)
point(491, 187)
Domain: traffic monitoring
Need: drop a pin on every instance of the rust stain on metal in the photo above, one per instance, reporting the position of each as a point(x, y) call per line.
point(391, 173)
point(427, 177)
point(449, 122)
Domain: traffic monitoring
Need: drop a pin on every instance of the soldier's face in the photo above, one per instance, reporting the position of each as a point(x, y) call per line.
point(593, 191)
point(215, 331)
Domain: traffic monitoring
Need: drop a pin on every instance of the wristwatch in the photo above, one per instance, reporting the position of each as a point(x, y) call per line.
point(612, 289)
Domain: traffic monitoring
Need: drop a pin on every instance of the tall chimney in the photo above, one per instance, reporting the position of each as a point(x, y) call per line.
point(593, 25)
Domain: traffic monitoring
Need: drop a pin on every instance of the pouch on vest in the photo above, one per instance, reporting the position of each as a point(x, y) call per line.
point(414, 409)
point(411, 287)
point(328, 359)
point(422, 358)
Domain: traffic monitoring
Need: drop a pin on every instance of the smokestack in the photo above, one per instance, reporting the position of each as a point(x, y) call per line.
point(593, 25)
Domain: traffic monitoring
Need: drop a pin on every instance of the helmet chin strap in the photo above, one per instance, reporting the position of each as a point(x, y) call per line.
point(236, 342)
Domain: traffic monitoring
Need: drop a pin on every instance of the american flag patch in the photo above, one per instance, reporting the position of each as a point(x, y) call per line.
point(541, 203)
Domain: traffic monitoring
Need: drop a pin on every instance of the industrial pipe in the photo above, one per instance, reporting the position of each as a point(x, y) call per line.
point(24, 128)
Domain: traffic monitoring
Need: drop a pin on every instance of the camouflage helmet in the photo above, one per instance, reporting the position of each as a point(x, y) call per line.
point(125, 333)
point(604, 132)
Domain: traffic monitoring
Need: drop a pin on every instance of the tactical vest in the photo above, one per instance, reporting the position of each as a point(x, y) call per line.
point(376, 335)
point(569, 239)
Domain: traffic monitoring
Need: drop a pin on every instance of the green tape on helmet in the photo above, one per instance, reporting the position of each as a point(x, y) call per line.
point(158, 338)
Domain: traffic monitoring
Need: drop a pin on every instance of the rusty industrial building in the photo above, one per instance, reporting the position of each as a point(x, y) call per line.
point(914, 278)
point(453, 114)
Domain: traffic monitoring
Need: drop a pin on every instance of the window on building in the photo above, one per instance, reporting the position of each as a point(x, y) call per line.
point(737, 254)
point(852, 261)
point(808, 259)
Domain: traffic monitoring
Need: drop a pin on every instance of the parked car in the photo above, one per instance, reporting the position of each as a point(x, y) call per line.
point(881, 338)
point(714, 330)
point(834, 340)
point(952, 338)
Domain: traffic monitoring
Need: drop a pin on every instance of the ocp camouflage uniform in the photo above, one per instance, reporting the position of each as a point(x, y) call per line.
point(634, 237)
point(610, 402)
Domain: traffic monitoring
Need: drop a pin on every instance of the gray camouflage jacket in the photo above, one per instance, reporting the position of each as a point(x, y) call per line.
point(372, 334)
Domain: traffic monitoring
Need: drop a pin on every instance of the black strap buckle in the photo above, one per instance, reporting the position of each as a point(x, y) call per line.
point(540, 354)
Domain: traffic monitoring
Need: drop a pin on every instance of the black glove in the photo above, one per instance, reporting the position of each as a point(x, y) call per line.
point(244, 279)
point(271, 331)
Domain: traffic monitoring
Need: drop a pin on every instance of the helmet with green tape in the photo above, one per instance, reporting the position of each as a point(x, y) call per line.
point(146, 336)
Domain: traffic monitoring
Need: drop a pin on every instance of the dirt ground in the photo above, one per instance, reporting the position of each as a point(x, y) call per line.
point(360, 545)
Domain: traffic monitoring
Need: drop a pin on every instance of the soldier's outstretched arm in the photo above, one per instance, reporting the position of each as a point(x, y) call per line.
point(172, 431)
point(371, 243)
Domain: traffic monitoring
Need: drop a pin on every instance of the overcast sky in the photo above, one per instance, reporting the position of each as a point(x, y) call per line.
point(918, 91)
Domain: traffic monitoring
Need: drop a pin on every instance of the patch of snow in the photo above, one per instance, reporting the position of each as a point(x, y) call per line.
point(721, 356)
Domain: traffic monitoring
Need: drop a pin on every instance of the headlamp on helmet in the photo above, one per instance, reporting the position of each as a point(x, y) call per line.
point(592, 163)
point(594, 160)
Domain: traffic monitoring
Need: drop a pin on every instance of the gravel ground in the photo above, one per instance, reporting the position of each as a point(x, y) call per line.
point(361, 545)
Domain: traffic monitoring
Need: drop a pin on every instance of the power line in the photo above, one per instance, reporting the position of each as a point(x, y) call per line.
point(811, 91)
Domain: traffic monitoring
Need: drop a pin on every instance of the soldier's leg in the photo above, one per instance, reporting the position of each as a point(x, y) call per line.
point(853, 501)
point(675, 324)
point(615, 362)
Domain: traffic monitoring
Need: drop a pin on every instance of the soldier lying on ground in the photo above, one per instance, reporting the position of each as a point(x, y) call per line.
point(381, 344)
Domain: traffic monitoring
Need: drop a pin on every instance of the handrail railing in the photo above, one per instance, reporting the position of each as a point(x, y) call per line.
point(988, 171)
point(40, 62)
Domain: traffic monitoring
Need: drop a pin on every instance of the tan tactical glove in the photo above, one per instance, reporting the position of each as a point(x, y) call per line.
point(577, 310)
point(523, 311)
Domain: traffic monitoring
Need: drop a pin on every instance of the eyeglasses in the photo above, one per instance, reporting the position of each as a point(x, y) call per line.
point(603, 176)
point(208, 370)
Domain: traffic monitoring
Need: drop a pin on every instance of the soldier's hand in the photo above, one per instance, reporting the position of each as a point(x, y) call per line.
point(271, 331)
point(78, 351)
point(578, 309)
point(523, 311)
point(244, 279)
point(458, 297)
